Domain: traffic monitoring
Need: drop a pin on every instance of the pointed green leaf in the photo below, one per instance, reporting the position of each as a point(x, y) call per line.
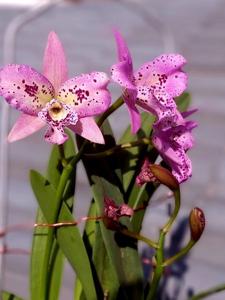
point(9, 296)
point(54, 166)
point(105, 271)
point(130, 162)
point(108, 167)
point(125, 259)
point(89, 240)
point(41, 247)
point(55, 271)
point(183, 101)
point(50, 273)
point(69, 238)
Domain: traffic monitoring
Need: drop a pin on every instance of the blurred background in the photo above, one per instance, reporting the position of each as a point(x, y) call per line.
point(195, 29)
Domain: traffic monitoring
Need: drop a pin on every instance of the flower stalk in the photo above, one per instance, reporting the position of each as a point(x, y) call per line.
point(117, 148)
point(208, 292)
point(140, 237)
point(158, 272)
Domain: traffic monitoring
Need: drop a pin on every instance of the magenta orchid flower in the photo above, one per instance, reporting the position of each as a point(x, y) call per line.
point(153, 86)
point(52, 99)
point(172, 138)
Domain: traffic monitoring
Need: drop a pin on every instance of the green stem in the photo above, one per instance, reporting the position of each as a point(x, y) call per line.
point(181, 253)
point(62, 155)
point(69, 167)
point(113, 150)
point(168, 225)
point(139, 237)
point(119, 102)
point(159, 268)
point(160, 251)
point(209, 292)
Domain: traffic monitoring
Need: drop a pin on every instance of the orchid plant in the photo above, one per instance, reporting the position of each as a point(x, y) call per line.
point(123, 175)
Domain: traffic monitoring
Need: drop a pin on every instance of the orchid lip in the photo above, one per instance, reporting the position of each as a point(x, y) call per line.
point(56, 113)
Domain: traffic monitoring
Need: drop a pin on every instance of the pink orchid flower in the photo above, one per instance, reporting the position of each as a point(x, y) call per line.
point(153, 86)
point(172, 138)
point(52, 99)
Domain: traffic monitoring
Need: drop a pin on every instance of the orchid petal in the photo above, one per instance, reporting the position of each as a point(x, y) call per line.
point(123, 75)
point(87, 93)
point(56, 135)
point(88, 129)
point(165, 64)
point(188, 113)
point(183, 171)
point(122, 49)
point(163, 76)
point(122, 72)
point(176, 84)
point(24, 88)
point(172, 138)
point(164, 107)
point(25, 126)
point(55, 65)
point(135, 116)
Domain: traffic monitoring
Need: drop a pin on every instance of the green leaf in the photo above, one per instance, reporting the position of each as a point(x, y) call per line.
point(68, 238)
point(9, 296)
point(54, 166)
point(78, 291)
point(142, 199)
point(50, 273)
point(107, 167)
point(56, 271)
point(131, 160)
point(41, 249)
point(105, 271)
point(89, 239)
point(183, 101)
point(100, 189)
point(124, 258)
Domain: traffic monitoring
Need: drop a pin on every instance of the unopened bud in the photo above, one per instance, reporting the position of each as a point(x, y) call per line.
point(164, 176)
point(197, 223)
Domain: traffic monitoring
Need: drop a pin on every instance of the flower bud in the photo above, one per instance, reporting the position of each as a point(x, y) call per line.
point(164, 176)
point(197, 223)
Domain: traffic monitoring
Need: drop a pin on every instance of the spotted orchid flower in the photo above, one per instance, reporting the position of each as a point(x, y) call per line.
point(153, 86)
point(52, 99)
point(172, 138)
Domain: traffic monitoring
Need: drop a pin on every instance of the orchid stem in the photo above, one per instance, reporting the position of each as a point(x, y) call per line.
point(168, 225)
point(209, 292)
point(113, 150)
point(160, 251)
point(159, 268)
point(181, 253)
point(62, 155)
point(100, 121)
point(119, 102)
point(139, 237)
